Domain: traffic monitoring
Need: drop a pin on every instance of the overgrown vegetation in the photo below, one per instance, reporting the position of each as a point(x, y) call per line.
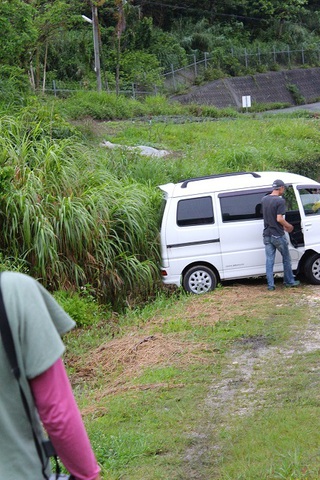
point(68, 217)
point(76, 214)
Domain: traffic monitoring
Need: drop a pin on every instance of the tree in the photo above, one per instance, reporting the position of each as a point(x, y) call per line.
point(49, 18)
point(18, 32)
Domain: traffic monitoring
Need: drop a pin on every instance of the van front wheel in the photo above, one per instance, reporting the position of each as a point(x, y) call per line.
point(199, 279)
point(312, 269)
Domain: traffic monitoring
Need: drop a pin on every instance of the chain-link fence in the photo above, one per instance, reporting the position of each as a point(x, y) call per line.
point(237, 62)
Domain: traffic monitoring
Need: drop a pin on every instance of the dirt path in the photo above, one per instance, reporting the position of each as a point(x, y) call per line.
point(239, 390)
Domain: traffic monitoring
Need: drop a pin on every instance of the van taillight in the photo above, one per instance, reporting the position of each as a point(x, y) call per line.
point(164, 273)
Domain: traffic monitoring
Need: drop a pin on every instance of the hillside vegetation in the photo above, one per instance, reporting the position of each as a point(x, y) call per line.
point(48, 42)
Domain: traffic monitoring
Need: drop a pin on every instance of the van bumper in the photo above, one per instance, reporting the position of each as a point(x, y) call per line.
point(168, 279)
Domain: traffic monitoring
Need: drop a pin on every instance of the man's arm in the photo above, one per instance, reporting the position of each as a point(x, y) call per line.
point(286, 225)
point(62, 420)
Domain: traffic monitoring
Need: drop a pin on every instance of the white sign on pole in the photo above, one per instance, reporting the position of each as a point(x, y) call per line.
point(246, 101)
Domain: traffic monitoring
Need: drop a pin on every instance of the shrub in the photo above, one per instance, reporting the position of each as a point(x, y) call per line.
point(298, 98)
point(83, 309)
point(308, 166)
point(212, 73)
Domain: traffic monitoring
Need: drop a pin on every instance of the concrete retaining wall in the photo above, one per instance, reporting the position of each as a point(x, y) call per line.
point(263, 88)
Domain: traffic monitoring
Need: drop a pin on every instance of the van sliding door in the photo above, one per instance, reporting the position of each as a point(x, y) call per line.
point(241, 230)
point(309, 196)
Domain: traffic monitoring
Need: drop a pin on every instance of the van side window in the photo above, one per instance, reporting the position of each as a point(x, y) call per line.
point(195, 211)
point(243, 206)
point(310, 198)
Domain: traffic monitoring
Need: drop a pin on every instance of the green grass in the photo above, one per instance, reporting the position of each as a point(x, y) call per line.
point(148, 430)
point(265, 143)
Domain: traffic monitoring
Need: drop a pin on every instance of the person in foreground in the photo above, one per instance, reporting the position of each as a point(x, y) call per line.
point(37, 321)
point(275, 226)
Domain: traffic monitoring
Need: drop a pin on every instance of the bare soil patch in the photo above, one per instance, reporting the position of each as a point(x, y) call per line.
point(122, 359)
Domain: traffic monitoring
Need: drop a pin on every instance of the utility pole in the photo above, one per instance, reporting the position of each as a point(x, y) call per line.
point(95, 28)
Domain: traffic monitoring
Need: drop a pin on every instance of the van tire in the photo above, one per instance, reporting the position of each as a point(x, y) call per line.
point(311, 269)
point(199, 279)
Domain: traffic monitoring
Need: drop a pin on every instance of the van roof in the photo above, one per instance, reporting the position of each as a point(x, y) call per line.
point(231, 181)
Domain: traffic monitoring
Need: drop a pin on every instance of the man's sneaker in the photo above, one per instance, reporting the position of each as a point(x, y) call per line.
point(296, 283)
point(271, 289)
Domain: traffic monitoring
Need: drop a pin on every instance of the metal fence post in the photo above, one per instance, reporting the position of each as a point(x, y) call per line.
point(246, 57)
point(195, 66)
point(274, 54)
point(289, 59)
point(302, 55)
point(205, 60)
point(173, 77)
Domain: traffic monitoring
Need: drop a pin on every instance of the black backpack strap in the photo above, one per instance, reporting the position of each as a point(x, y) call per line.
point(7, 339)
point(8, 345)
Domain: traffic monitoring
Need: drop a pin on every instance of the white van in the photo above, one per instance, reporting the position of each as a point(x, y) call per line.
point(212, 228)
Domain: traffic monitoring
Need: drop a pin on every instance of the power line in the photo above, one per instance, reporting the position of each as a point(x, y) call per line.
point(191, 9)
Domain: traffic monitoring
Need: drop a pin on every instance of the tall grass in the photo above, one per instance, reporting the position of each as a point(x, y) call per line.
point(71, 221)
point(108, 106)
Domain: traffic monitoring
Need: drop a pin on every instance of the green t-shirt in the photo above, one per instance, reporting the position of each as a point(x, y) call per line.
point(36, 321)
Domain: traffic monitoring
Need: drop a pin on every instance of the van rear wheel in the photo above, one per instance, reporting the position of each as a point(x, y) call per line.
point(312, 269)
point(199, 279)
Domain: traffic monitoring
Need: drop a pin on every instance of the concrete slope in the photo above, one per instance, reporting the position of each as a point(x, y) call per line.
point(263, 88)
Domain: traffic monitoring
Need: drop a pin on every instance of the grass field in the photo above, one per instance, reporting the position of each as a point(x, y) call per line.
point(221, 386)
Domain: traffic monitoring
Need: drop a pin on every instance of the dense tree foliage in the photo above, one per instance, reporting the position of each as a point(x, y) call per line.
point(18, 32)
point(140, 38)
point(165, 12)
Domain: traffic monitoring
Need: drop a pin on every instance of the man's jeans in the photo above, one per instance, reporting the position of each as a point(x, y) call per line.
point(272, 244)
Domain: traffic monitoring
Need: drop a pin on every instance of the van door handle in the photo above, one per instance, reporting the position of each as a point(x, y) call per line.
point(307, 226)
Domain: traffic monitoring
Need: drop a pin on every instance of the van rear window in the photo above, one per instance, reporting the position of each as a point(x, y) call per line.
point(195, 211)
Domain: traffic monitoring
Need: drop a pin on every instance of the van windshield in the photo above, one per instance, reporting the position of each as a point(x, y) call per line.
point(310, 198)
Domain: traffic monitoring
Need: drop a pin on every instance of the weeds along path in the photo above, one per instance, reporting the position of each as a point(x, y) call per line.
point(251, 371)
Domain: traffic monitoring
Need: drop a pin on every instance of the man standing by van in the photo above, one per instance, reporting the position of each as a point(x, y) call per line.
point(275, 226)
